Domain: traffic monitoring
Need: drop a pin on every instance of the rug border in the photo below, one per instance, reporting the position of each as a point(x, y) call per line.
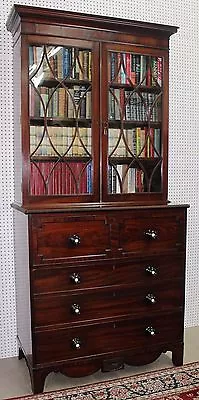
point(27, 396)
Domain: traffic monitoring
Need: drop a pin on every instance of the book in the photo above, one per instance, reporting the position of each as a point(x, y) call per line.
point(143, 69)
point(128, 66)
point(133, 69)
point(137, 68)
point(66, 62)
point(83, 95)
point(160, 71)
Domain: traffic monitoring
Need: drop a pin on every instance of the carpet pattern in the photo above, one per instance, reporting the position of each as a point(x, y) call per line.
point(180, 383)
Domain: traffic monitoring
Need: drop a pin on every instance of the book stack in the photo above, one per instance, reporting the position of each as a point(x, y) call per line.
point(61, 178)
point(60, 141)
point(123, 179)
point(134, 69)
point(60, 102)
point(133, 106)
point(137, 142)
point(48, 62)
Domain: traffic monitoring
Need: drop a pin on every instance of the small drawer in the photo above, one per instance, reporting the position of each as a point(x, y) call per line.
point(142, 300)
point(72, 343)
point(60, 237)
point(53, 279)
point(153, 231)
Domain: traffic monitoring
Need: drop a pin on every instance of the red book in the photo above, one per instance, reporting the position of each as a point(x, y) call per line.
point(128, 66)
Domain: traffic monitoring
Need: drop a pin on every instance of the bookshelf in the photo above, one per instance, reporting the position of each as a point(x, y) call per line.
point(60, 103)
point(95, 121)
point(60, 87)
point(99, 251)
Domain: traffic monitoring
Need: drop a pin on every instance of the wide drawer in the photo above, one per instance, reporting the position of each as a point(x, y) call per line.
point(69, 236)
point(153, 231)
point(96, 339)
point(67, 309)
point(151, 270)
point(56, 238)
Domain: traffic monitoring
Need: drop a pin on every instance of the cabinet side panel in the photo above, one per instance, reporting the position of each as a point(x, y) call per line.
point(17, 121)
point(22, 281)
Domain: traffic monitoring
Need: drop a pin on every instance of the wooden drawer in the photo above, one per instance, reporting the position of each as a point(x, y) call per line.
point(96, 339)
point(69, 236)
point(67, 309)
point(153, 231)
point(151, 270)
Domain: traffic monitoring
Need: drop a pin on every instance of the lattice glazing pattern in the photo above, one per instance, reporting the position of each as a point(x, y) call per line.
point(60, 120)
point(135, 114)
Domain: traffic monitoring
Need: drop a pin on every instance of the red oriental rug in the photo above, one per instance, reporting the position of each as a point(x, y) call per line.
point(179, 383)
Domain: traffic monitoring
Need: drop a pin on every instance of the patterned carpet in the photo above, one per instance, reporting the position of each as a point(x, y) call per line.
point(180, 383)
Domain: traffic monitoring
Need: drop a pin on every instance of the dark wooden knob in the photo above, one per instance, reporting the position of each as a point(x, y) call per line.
point(74, 240)
point(151, 234)
point(75, 278)
point(76, 343)
point(150, 298)
point(150, 331)
point(151, 270)
point(75, 308)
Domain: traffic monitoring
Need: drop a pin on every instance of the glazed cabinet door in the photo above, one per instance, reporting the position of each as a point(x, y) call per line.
point(63, 92)
point(134, 113)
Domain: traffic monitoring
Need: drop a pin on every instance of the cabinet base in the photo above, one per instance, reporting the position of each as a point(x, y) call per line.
point(87, 367)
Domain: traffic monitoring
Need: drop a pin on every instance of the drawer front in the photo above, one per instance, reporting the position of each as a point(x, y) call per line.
point(150, 271)
point(62, 237)
point(153, 232)
point(71, 343)
point(64, 309)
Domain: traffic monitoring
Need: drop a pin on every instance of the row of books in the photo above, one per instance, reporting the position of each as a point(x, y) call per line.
point(60, 178)
point(73, 142)
point(68, 141)
point(122, 179)
point(73, 102)
point(141, 142)
point(59, 62)
point(76, 179)
point(129, 68)
point(127, 105)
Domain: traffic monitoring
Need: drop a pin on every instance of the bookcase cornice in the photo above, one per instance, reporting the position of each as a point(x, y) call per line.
point(21, 13)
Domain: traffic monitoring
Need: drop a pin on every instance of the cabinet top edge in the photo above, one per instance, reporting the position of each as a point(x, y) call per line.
point(20, 13)
point(94, 207)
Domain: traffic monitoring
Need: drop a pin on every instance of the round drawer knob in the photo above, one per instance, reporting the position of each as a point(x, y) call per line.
point(74, 240)
point(151, 270)
point(150, 298)
point(76, 343)
point(151, 234)
point(75, 278)
point(75, 309)
point(150, 331)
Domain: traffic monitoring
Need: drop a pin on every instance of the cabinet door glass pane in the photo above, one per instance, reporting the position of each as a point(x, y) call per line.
point(134, 127)
point(60, 89)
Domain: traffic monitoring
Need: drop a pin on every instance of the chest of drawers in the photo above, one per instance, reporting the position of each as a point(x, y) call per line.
point(106, 288)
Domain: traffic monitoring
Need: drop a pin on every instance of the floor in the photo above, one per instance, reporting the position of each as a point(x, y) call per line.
point(15, 381)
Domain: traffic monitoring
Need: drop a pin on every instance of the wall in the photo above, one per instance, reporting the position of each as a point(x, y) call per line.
point(184, 144)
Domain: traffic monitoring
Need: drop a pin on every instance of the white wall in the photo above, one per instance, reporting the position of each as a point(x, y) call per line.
point(184, 143)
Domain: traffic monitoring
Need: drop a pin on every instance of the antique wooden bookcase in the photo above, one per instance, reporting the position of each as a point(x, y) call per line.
point(100, 254)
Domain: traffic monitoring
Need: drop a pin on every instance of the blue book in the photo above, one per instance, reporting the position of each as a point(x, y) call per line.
point(66, 62)
point(89, 178)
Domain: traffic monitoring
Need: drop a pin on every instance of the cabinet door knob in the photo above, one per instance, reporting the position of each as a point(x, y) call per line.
point(151, 270)
point(150, 331)
point(151, 234)
point(74, 240)
point(151, 298)
point(75, 278)
point(75, 308)
point(76, 343)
